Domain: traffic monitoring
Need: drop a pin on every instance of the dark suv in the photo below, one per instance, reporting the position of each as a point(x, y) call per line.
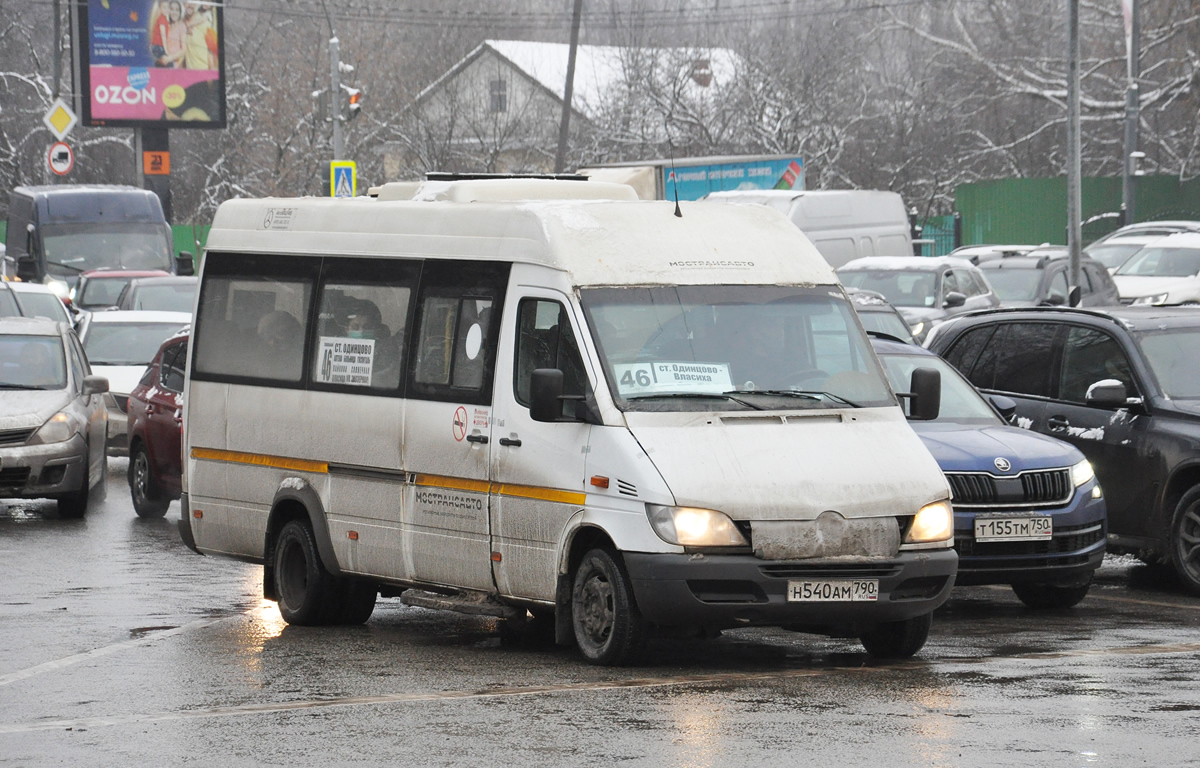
point(1041, 276)
point(1122, 385)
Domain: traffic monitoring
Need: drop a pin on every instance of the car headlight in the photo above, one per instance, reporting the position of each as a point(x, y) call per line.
point(933, 522)
point(694, 527)
point(1082, 472)
point(58, 287)
point(917, 329)
point(1156, 300)
point(57, 429)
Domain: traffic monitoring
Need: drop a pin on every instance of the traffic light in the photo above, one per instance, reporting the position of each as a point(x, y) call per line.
point(354, 102)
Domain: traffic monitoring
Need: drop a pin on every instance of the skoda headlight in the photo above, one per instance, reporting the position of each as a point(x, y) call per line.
point(56, 430)
point(694, 527)
point(934, 522)
point(1082, 472)
point(1156, 300)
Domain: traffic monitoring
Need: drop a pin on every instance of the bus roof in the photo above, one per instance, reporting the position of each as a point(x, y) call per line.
point(597, 241)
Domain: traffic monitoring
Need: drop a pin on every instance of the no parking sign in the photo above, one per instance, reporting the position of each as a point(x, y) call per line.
point(61, 158)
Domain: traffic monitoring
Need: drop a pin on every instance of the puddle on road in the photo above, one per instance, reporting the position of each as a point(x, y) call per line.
point(142, 631)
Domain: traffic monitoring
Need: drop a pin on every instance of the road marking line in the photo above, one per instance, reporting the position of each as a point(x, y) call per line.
point(68, 661)
point(605, 685)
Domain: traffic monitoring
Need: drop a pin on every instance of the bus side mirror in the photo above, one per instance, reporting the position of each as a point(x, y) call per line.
point(185, 264)
point(925, 400)
point(545, 394)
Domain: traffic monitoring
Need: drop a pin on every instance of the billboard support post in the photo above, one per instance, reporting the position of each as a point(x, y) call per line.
point(153, 143)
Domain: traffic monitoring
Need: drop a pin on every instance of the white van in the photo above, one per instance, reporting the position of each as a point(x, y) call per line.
point(535, 398)
point(843, 224)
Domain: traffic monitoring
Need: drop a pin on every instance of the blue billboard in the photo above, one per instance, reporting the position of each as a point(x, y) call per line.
point(695, 181)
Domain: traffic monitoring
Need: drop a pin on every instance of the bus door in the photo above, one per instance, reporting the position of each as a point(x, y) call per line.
point(447, 430)
point(537, 468)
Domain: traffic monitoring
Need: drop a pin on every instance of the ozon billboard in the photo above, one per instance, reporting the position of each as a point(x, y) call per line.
point(152, 63)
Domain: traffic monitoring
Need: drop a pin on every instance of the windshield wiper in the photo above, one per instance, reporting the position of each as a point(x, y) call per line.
point(76, 270)
point(698, 395)
point(810, 394)
point(21, 386)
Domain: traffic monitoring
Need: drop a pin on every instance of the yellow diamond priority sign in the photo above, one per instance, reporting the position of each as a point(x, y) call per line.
point(60, 119)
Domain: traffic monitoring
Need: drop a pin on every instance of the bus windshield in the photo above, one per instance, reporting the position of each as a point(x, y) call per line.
point(718, 347)
point(72, 249)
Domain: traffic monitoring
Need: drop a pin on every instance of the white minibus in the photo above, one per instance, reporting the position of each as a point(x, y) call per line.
point(546, 400)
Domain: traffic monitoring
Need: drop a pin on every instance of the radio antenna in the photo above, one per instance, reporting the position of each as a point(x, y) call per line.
point(674, 178)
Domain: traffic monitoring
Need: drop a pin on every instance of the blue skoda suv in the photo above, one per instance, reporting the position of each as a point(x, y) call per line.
point(1028, 510)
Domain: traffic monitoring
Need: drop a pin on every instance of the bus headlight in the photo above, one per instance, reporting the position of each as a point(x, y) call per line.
point(1082, 472)
point(694, 527)
point(933, 522)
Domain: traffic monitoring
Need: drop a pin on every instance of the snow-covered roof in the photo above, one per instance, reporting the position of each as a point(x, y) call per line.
point(599, 68)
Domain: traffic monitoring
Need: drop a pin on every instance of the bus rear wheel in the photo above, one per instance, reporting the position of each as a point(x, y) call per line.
point(306, 589)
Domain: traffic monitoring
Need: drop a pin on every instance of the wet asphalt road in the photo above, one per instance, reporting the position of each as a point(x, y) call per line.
point(118, 646)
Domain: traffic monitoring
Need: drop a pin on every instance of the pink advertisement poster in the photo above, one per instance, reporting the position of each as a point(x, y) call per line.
point(153, 63)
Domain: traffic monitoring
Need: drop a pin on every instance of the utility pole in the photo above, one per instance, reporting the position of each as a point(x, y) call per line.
point(1133, 33)
point(57, 51)
point(1074, 187)
point(335, 95)
point(560, 157)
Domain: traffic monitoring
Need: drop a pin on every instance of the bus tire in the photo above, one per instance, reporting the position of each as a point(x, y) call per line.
point(898, 639)
point(306, 589)
point(609, 629)
point(355, 602)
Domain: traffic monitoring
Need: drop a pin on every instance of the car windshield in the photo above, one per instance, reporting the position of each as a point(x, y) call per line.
point(1113, 255)
point(718, 347)
point(126, 343)
point(1015, 284)
point(72, 249)
point(961, 403)
point(1174, 355)
point(902, 288)
point(32, 362)
point(886, 322)
point(166, 298)
point(43, 305)
point(101, 291)
point(1163, 262)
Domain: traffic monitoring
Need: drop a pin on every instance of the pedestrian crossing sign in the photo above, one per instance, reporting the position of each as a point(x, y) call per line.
point(342, 180)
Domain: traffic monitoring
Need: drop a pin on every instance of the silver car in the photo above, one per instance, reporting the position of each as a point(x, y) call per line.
point(52, 418)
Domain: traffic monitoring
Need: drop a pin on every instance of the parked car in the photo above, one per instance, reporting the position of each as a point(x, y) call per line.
point(1042, 276)
point(101, 288)
point(120, 345)
point(1028, 511)
point(879, 317)
point(52, 417)
point(925, 290)
point(164, 294)
point(1123, 386)
point(1115, 248)
point(1167, 272)
point(156, 429)
point(32, 300)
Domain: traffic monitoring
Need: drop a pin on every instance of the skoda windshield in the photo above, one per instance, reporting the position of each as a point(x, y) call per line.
point(733, 347)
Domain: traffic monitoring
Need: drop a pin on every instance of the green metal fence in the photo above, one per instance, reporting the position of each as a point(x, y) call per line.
point(1034, 211)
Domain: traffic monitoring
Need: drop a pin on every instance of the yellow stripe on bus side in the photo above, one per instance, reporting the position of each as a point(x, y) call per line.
point(453, 483)
point(258, 459)
point(534, 492)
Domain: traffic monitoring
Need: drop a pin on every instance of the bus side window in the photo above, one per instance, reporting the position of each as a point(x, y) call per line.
point(253, 318)
point(362, 324)
point(456, 336)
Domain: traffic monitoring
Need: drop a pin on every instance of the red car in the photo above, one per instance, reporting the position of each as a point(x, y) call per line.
point(100, 288)
point(156, 429)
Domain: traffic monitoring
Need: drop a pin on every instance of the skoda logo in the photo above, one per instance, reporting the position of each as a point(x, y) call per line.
point(1002, 464)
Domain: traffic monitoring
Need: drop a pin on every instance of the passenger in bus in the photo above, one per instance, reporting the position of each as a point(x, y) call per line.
point(281, 339)
point(366, 322)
